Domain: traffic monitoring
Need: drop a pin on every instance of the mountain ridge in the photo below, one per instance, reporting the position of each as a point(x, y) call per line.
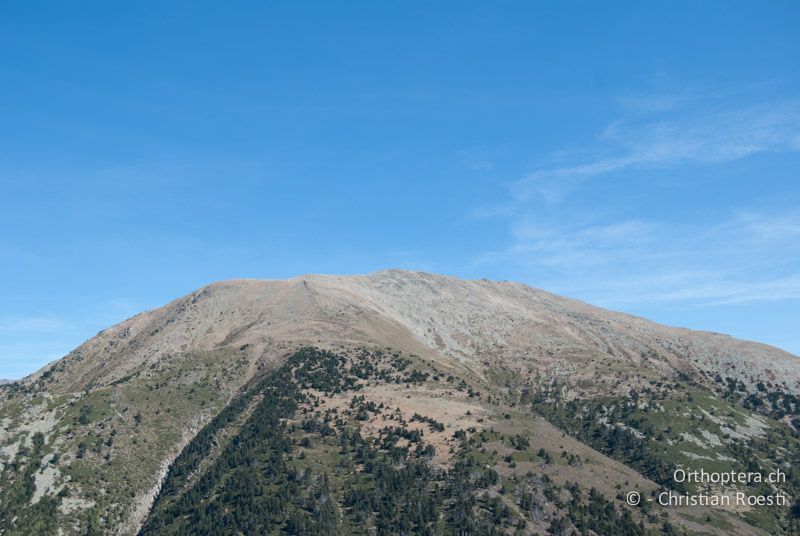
point(358, 292)
point(118, 411)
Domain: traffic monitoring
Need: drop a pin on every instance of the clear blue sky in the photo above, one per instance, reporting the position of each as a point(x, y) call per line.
point(641, 156)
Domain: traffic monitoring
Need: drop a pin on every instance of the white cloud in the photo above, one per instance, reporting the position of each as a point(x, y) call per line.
point(704, 138)
point(477, 158)
point(584, 250)
point(749, 257)
point(654, 103)
point(33, 324)
point(28, 342)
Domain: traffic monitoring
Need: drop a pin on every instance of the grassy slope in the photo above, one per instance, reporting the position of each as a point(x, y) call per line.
point(522, 471)
point(121, 432)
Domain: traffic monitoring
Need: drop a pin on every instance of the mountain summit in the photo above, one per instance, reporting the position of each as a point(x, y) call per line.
point(563, 406)
point(472, 322)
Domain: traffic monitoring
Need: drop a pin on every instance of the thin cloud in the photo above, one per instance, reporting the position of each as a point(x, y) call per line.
point(654, 103)
point(709, 138)
point(747, 258)
point(33, 324)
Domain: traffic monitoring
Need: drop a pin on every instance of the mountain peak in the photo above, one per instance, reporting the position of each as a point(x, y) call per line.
point(475, 355)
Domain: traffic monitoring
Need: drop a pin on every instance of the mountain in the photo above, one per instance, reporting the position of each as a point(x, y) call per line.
point(397, 402)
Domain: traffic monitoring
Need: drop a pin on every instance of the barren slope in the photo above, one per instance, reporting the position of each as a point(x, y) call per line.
point(444, 317)
point(117, 410)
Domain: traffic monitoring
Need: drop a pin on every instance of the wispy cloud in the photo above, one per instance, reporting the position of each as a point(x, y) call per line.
point(33, 324)
point(749, 257)
point(654, 142)
point(28, 342)
point(590, 251)
point(658, 102)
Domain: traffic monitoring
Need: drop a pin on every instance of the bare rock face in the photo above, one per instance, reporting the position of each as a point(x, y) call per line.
point(477, 323)
point(138, 392)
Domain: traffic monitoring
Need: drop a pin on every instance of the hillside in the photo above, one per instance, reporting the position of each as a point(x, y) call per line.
point(443, 405)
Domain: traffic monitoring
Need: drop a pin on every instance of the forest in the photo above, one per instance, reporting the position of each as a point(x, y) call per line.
point(263, 481)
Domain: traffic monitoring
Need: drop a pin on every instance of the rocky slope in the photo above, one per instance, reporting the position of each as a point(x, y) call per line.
point(87, 441)
point(469, 321)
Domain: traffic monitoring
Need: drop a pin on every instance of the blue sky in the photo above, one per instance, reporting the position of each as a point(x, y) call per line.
point(640, 156)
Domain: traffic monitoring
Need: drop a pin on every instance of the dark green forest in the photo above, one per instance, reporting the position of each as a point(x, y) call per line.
point(258, 478)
